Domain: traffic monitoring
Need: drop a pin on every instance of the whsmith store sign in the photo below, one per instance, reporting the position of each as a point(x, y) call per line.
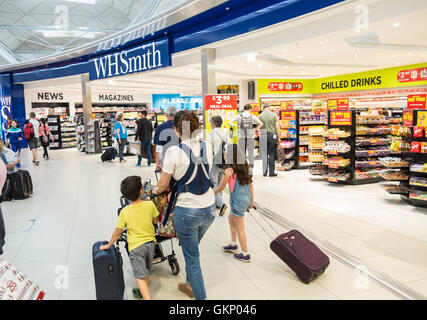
point(144, 57)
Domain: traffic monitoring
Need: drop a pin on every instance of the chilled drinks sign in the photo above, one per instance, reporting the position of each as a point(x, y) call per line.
point(145, 57)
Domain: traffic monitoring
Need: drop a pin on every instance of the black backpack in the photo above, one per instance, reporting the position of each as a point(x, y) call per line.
point(246, 122)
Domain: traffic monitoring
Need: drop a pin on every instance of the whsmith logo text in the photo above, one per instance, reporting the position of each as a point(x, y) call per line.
point(142, 58)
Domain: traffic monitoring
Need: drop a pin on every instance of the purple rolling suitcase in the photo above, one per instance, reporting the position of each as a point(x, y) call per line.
point(300, 254)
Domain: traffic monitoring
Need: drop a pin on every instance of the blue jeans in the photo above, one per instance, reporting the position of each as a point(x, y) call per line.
point(191, 225)
point(147, 146)
point(216, 177)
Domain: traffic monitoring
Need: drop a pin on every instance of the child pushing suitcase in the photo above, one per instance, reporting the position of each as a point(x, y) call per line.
point(138, 218)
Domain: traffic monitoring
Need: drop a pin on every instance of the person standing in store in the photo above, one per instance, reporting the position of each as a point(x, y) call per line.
point(165, 137)
point(245, 122)
point(15, 135)
point(269, 140)
point(218, 138)
point(194, 211)
point(33, 142)
point(45, 134)
point(144, 134)
point(121, 135)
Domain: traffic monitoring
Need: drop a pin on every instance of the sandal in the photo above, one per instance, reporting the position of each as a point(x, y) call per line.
point(186, 288)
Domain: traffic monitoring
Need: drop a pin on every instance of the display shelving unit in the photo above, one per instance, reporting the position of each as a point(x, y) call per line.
point(68, 133)
point(368, 142)
point(306, 120)
point(54, 124)
point(410, 179)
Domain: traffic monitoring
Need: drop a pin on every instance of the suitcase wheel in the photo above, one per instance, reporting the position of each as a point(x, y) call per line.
point(173, 263)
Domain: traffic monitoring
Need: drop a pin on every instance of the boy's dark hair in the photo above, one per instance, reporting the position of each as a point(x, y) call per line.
point(130, 187)
point(32, 115)
point(144, 113)
point(247, 107)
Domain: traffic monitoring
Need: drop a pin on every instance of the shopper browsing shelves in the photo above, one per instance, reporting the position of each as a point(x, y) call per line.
point(218, 139)
point(245, 122)
point(121, 135)
point(138, 218)
point(269, 140)
point(241, 199)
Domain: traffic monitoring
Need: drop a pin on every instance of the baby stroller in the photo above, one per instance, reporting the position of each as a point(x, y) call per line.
point(160, 201)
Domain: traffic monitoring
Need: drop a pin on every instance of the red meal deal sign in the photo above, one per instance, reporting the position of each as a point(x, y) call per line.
point(221, 101)
point(338, 104)
point(416, 101)
point(288, 115)
point(255, 107)
point(288, 105)
point(285, 86)
point(340, 118)
point(413, 75)
point(408, 118)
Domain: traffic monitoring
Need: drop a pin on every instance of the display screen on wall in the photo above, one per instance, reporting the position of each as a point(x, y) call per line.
point(162, 101)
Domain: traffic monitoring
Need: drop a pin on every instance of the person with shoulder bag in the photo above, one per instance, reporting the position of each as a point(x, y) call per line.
point(45, 134)
point(192, 197)
point(218, 139)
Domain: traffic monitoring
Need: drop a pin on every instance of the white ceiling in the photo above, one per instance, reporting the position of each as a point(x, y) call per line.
point(317, 45)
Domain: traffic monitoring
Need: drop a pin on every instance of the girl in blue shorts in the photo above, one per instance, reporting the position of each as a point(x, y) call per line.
point(241, 199)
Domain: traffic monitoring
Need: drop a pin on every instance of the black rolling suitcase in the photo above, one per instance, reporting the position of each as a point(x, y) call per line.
point(108, 270)
point(109, 154)
point(21, 185)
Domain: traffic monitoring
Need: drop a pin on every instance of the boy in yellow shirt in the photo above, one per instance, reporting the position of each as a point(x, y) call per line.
point(138, 217)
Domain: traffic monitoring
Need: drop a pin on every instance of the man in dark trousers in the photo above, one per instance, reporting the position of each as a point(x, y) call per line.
point(144, 134)
point(269, 140)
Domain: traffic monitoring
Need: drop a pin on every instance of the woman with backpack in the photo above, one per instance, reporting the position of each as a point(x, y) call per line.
point(194, 199)
point(45, 134)
point(218, 139)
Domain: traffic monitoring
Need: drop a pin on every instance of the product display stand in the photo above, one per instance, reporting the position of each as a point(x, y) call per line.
point(308, 119)
point(288, 154)
point(358, 145)
point(54, 124)
point(68, 133)
point(407, 176)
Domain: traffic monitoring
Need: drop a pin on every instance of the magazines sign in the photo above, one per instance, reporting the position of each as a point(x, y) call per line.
point(340, 118)
point(416, 101)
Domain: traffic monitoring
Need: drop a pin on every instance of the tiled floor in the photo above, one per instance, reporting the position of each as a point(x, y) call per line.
point(75, 201)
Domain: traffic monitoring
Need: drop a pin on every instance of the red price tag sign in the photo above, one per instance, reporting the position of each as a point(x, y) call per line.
point(285, 86)
point(408, 118)
point(412, 75)
point(373, 163)
point(416, 101)
point(221, 101)
point(332, 179)
point(333, 166)
point(333, 152)
point(288, 115)
point(340, 118)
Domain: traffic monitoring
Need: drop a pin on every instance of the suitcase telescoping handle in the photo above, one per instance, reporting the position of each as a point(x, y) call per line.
point(262, 227)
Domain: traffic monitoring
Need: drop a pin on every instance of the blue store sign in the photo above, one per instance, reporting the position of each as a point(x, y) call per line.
point(143, 57)
point(162, 101)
